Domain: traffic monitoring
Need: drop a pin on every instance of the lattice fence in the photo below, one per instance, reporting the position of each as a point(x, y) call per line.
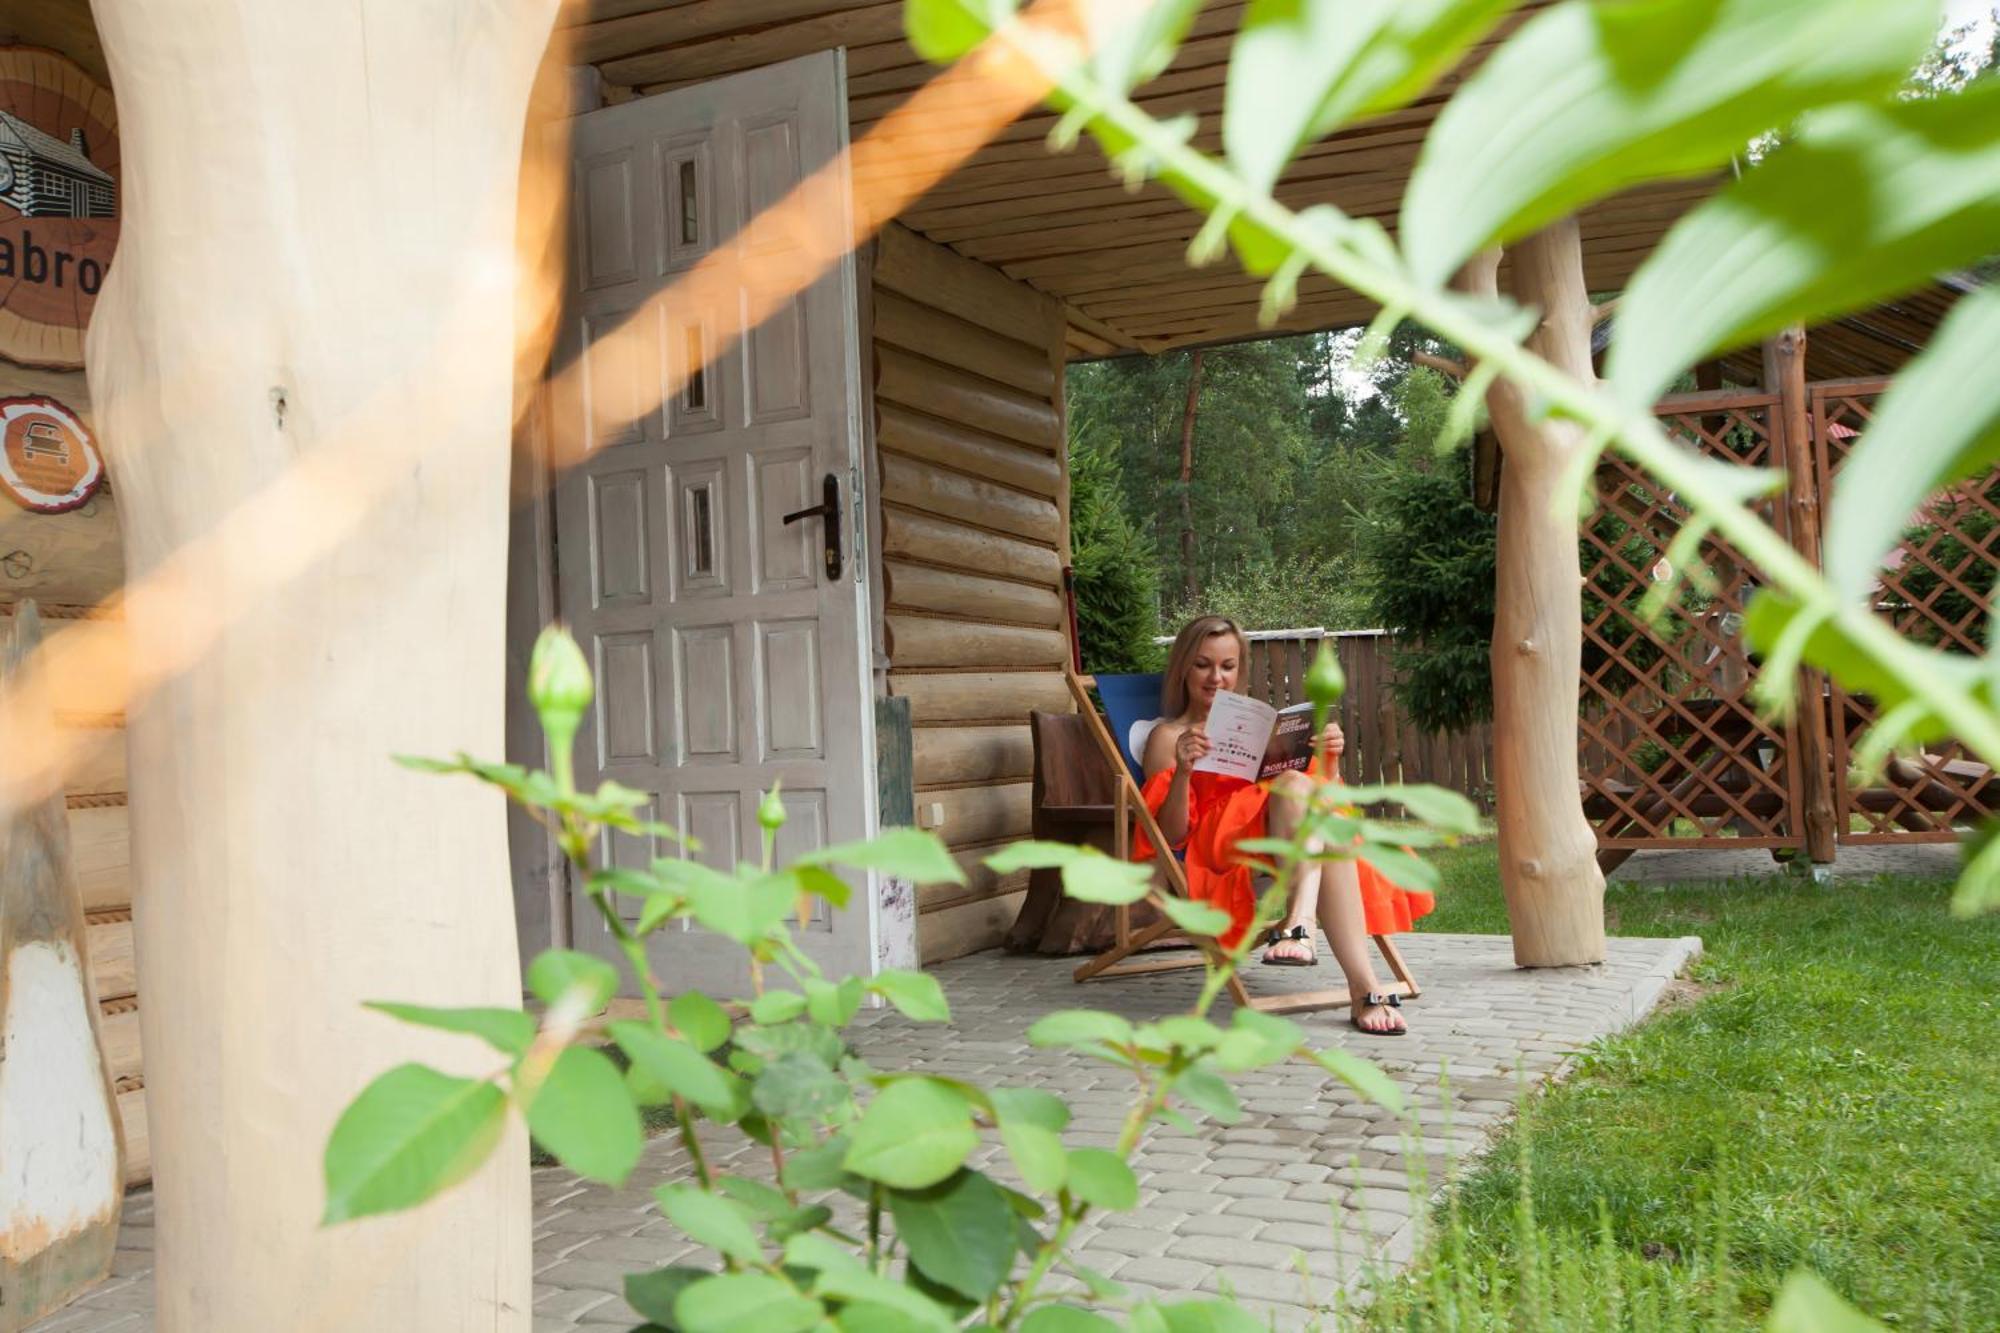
point(1936, 588)
point(1673, 752)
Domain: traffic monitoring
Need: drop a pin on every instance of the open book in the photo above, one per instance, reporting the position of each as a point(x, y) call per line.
point(1251, 740)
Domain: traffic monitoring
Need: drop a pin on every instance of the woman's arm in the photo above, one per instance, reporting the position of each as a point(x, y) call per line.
point(1177, 747)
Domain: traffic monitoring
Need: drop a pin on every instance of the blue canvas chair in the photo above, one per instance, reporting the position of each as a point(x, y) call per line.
point(1133, 702)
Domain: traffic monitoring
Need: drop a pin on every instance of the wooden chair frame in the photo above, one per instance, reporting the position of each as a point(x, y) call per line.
point(1112, 964)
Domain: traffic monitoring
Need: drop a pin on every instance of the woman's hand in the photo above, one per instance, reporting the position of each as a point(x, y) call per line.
point(1332, 740)
point(1190, 747)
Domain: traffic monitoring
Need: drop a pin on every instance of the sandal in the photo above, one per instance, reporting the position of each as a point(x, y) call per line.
point(1378, 1000)
point(1298, 935)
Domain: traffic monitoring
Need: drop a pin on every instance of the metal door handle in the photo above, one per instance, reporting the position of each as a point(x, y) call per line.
point(828, 510)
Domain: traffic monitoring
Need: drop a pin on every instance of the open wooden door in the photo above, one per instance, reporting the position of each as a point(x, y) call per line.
point(726, 622)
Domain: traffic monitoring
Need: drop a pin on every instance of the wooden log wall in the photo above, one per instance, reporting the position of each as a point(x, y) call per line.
point(67, 564)
point(969, 432)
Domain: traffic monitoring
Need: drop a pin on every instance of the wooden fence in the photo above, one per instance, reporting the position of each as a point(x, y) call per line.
point(1383, 743)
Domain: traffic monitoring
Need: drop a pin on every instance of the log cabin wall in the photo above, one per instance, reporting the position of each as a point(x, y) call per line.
point(971, 478)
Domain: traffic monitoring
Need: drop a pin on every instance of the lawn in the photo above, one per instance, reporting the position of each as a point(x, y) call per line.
point(1829, 1097)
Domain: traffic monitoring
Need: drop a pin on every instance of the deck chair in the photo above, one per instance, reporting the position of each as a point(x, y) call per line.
point(1131, 703)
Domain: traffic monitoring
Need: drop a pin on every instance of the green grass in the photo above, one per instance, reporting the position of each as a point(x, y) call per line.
point(1831, 1100)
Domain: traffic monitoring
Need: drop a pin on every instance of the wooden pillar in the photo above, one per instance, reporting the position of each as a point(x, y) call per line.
point(1548, 852)
point(1785, 375)
point(304, 354)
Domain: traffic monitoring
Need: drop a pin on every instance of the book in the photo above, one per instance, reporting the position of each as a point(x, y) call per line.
point(1250, 739)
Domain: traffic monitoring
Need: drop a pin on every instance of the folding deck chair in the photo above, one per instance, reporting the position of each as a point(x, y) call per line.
point(1131, 701)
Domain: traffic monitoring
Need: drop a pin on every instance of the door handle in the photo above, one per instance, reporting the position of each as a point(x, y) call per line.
point(828, 510)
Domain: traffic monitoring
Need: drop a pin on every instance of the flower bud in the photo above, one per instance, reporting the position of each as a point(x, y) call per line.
point(1325, 682)
point(771, 811)
point(559, 684)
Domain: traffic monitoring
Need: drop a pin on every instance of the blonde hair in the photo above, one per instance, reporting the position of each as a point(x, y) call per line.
point(1173, 686)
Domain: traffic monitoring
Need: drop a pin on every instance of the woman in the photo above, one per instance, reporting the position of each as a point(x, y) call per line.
point(1205, 816)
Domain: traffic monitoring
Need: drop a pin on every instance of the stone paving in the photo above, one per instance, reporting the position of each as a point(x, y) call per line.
point(1309, 1192)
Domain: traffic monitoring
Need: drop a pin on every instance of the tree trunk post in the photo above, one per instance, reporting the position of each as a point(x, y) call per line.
point(1548, 852)
point(1190, 582)
point(1785, 375)
point(303, 356)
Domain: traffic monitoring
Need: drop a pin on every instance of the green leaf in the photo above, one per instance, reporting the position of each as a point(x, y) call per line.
point(1938, 424)
point(904, 853)
point(1591, 99)
point(555, 972)
point(1130, 44)
point(823, 883)
point(777, 1006)
point(1038, 1154)
point(843, 1277)
point(916, 995)
point(681, 1069)
point(1066, 1319)
point(912, 1135)
point(653, 1294)
point(1100, 1177)
point(941, 31)
point(959, 1232)
point(1807, 1305)
point(743, 910)
point(1403, 869)
point(1207, 1091)
point(411, 1134)
point(711, 1220)
point(506, 1030)
point(739, 1302)
point(1300, 69)
point(799, 1084)
point(1257, 1039)
point(831, 1004)
point(1864, 203)
point(1190, 1034)
point(1979, 879)
point(1437, 806)
point(1069, 1027)
point(818, 1167)
point(1359, 1074)
point(583, 1114)
point(1088, 875)
point(703, 1022)
point(1194, 917)
point(1074, 1027)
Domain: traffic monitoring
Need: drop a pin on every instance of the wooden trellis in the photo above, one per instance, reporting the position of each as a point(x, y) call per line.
point(1937, 588)
point(1674, 753)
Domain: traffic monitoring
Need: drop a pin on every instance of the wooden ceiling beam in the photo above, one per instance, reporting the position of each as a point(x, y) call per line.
point(656, 28)
point(690, 61)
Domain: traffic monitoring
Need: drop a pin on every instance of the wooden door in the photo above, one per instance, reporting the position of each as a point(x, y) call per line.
point(729, 653)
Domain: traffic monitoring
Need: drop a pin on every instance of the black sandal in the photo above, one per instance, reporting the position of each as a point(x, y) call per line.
point(1297, 933)
point(1377, 1000)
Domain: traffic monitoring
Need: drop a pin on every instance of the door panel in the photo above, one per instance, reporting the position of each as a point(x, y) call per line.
point(727, 657)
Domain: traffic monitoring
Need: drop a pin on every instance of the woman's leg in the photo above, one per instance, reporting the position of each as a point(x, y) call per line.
point(1281, 820)
point(1346, 926)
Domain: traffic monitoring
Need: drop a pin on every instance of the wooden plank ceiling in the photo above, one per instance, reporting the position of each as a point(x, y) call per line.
point(1115, 259)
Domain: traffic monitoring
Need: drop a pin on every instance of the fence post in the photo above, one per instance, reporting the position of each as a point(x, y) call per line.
point(1785, 375)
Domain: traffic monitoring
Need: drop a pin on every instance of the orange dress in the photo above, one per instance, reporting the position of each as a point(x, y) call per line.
point(1225, 810)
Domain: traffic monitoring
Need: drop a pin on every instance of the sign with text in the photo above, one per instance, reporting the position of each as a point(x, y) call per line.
point(58, 204)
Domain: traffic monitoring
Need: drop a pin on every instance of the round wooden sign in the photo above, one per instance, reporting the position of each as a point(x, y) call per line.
point(48, 462)
point(58, 204)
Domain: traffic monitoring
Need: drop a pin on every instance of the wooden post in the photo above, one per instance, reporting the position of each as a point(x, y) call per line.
point(1548, 853)
point(304, 354)
point(60, 1181)
point(1785, 375)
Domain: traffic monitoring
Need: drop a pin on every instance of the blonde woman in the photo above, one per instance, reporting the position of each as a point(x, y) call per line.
point(1205, 816)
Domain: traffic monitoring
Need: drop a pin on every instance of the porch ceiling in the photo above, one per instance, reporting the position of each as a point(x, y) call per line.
point(1115, 259)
